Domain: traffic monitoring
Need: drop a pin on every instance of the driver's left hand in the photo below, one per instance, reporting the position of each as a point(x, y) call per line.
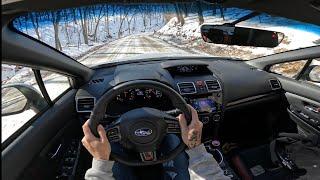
point(99, 148)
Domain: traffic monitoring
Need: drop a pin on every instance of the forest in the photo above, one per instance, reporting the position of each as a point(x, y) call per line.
point(84, 27)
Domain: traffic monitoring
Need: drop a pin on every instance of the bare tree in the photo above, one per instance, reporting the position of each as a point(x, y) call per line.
point(200, 15)
point(35, 23)
point(179, 14)
point(122, 18)
point(106, 21)
point(83, 18)
point(66, 25)
point(185, 9)
point(74, 15)
point(55, 19)
point(130, 20)
point(98, 18)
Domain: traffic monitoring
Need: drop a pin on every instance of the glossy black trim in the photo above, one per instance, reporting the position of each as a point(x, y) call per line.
point(42, 86)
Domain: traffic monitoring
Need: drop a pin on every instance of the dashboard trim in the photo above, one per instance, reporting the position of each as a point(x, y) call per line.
point(247, 99)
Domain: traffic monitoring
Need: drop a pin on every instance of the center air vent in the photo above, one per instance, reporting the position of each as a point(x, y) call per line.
point(275, 84)
point(213, 85)
point(85, 104)
point(187, 88)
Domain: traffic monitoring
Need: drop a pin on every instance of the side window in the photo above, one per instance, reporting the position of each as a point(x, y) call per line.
point(288, 69)
point(21, 98)
point(303, 70)
point(55, 83)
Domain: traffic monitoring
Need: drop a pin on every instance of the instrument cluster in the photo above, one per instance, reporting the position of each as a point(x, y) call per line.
point(137, 98)
point(139, 94)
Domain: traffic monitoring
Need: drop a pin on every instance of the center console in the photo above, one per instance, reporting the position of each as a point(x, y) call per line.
point(203, 91)
point(209, 112)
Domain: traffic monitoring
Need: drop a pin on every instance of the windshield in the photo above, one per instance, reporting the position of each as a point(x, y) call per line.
point(106, 33)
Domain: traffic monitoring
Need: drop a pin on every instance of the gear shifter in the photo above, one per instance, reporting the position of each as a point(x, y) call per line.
point(213, 147)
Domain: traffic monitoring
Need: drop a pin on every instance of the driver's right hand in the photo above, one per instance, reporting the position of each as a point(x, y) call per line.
point(191, 134)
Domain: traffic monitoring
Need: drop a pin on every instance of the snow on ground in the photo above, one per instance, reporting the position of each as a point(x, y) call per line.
point(107, 31)
point(298, 35)
point(10, 124)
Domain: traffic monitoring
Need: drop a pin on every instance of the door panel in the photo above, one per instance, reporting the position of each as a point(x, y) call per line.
point(22, 151)
point(304, 103)
point(305, 112)
point(300, 88)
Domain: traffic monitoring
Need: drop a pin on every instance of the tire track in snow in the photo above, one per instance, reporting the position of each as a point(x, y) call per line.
point(129, 46)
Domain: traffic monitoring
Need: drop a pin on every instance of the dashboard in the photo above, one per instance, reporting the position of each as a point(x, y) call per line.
point(209, 85)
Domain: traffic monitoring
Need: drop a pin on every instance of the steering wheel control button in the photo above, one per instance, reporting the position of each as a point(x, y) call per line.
point(216, 118)
point(205, 120)
point(148, 156)
point(113, 134)
point(173, 126)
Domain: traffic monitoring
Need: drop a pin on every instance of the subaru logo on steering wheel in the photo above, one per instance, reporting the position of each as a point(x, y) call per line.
point(143, 132)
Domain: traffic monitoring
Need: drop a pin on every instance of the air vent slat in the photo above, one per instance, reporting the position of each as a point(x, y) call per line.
point(95, 81)
point(85, 104)
point(213, 85)
point(187, 88)
point(275, 84)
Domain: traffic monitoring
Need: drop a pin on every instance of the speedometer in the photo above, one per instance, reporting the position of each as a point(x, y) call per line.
point(148, 94)
point(158, 94)
point(132, 95)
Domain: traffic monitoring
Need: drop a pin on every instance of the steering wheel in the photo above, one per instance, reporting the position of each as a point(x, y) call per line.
point(143, 129)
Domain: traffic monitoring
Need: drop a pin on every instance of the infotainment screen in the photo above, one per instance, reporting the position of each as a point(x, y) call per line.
point(203, 105)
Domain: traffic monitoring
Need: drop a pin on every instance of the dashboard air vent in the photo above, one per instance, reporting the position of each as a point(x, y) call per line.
point(85, 104)
point(213, 85)
point(275, 84)
point(99, 80)
point(187, 88)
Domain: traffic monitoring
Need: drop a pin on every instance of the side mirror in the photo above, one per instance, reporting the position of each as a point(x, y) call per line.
point(241, 36)
point(13, 101)
point(17, 98)
point(314, 73)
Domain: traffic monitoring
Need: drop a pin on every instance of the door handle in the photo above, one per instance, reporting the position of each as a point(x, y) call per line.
point(312, 109)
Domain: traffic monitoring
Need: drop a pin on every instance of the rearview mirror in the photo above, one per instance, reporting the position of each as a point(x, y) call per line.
point(12, 101)
point(241, 36)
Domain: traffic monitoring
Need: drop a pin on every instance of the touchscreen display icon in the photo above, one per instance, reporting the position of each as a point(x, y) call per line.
point(204, 105)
